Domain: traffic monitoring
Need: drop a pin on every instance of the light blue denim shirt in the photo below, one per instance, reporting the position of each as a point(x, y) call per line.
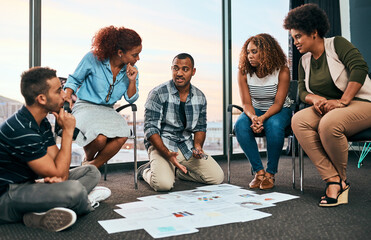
point(92, 78)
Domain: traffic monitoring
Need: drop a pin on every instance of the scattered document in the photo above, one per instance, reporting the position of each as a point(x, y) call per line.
point(166, 228)
point(119, 225)
point(183, 212)
point(140, 210)
point(276, 197)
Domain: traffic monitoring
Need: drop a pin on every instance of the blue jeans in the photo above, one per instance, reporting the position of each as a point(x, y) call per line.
point(274, 128)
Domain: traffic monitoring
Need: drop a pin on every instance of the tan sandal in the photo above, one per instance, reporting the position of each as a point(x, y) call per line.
point(267, 183)
point(255, 183)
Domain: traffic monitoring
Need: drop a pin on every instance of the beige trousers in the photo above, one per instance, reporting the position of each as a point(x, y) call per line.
point(324, 138)
point(161, 175)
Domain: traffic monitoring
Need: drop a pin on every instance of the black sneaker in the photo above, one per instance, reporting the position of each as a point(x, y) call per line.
point(55, 220)
point(141, 170)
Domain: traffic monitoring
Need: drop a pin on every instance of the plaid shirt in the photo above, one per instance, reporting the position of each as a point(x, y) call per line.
point(162, 116)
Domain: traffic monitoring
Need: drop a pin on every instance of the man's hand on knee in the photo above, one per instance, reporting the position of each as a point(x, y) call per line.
point(172, 158)
point(53, 179)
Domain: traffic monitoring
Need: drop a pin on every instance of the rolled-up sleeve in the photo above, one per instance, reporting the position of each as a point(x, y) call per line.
point(136, 95)
point(202, 120)
point(152, 115)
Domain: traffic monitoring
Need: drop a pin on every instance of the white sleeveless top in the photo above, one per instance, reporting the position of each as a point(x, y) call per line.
point(263, 90)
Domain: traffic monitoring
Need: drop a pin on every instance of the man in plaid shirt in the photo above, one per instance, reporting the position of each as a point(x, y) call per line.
point(174, 111)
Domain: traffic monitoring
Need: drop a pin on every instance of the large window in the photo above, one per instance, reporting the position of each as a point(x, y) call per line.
point(248, 19)
point(13, 46)
point(167, 28)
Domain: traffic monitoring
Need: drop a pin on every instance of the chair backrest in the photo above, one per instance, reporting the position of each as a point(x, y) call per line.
point(293, 94)
point(63, 81)
point(300, 105)
point(57, 129)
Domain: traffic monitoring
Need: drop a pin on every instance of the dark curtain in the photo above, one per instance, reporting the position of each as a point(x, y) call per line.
point(332, 9)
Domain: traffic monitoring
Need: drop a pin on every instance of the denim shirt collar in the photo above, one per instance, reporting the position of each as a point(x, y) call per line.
point(108, 65)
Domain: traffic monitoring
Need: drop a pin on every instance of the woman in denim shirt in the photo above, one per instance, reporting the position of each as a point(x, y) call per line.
point(104, 76)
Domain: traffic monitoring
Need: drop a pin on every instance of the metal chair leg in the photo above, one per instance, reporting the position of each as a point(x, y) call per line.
point(105, 171)
point(365, 150)
point(134, 136)
point(301, 168)
point(135, 151)
point(293, 150)
point(229, 143)
point(228, 164)
point(229, 153)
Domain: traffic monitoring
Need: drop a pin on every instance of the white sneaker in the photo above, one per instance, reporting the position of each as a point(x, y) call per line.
point(56, 219)
point(98, 194)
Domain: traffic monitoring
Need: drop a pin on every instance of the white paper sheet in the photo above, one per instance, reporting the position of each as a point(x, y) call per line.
point(276, 197)
point(165, 202)
point(120, 225)
point(254, 203)
point(205, 218)
point(167, 227)
point(160, 197)
point(243, 214)
point(223, 186)
point(179, 213)
point(129, 205)
point(140, 210)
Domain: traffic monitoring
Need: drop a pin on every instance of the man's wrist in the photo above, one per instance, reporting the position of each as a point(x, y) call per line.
point(67, 133)
point(197, 145)
point(165, 152)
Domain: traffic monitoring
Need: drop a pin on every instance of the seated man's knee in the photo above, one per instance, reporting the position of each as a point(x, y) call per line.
point(165, 187)
point(217, 177)
point(73, 192)
point(94, 172)
point(162, 185)
point(75, 197)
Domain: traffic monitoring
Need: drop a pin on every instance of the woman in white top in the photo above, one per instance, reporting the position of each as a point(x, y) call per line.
point(264, 81)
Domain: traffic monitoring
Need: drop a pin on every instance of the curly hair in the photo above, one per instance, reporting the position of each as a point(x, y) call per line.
point(34, 82)
point(272, 56)
point(307, 18)
point(107, 41)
